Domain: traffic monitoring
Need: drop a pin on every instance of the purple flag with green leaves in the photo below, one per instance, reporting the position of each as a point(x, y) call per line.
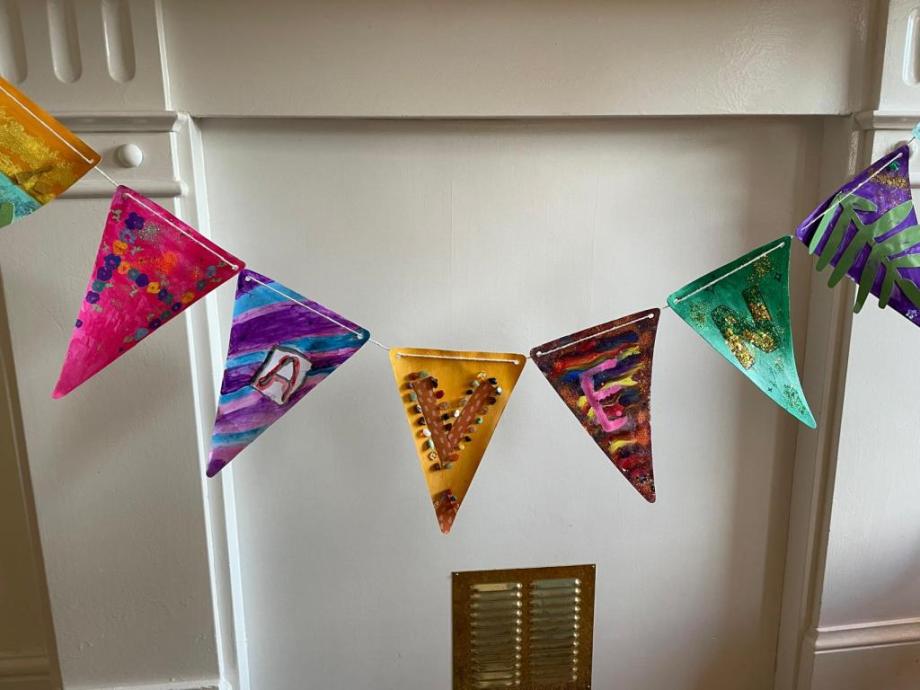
point(868, 230)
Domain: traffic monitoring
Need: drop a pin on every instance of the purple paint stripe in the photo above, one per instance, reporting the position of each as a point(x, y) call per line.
point(314, 355)
point(264, 333)
point(323, 359)
point(234, 379)
point(293, 315)
point(227, 451)
point(259, 405)
point(266, 310)
point(240, 403)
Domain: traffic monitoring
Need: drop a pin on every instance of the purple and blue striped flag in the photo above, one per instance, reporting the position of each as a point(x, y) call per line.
point(282, 346)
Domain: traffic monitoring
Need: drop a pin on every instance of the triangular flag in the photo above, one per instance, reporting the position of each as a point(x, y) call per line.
point(150, 267)
point(453, 401)
point(868, 231)
point(282, 346)
point(742, 310)
point(39, 157)
point(604, 375)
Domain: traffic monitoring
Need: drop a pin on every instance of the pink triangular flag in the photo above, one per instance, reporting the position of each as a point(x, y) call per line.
point(150, 267)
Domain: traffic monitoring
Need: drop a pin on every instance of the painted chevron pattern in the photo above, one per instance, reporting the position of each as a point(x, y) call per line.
point(279, 351)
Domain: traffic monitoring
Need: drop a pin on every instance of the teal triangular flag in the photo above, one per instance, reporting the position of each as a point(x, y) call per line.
point(742, 310)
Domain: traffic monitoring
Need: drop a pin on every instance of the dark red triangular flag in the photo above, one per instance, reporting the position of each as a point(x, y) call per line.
point(604, 375)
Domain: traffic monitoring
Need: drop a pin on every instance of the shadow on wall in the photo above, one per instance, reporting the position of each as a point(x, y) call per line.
point(756, 510)
point(27, 657)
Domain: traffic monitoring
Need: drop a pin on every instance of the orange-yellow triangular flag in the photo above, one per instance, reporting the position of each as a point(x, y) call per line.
point(453, 401)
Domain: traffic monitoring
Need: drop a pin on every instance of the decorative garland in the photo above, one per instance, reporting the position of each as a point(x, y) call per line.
point(151, 266)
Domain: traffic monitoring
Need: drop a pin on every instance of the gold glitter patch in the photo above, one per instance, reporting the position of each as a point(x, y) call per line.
point(760, 269)
point(698, 314)
point(738, 330)
point(37, 152)
point(896, 181)
point(794, 400)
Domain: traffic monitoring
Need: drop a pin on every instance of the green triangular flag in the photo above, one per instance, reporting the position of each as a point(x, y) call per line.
point(742, 310)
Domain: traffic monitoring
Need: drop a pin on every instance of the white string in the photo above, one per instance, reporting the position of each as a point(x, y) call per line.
point(338, 323)
point(772, 249)
point(833, 206)
point(194, 239)
point(235, 267)
point(464, 359)
point(594, 335)
point(106, 175)
point(45, 124)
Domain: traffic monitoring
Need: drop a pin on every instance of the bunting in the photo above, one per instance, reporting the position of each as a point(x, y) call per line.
point(868, 230)
point(742, 311)
point(604, 376)
point(282, 346)
point(150, 266)
point(453, 401)
point(39, 157)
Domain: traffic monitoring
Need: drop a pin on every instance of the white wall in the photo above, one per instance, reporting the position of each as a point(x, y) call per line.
point(502, 235)
point(440, 58)
point(867, 624)
point(862, 624)
point(25, 622)
point(137, 549)
point(115, 473)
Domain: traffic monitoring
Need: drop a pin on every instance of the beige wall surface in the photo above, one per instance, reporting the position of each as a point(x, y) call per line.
point(24, 622)
point(162, 581)
point(501, 235)
point(519, 58)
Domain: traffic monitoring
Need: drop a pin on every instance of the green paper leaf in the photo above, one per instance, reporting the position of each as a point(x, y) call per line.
point(892, 276)
point(6, 213)
point(848, 205)
point(880, 254)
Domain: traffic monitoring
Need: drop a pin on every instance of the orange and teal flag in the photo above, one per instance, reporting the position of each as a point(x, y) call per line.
point(39, 157)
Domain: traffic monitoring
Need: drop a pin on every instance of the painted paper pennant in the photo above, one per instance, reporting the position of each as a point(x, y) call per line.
point(604, 376)
point(39, 157)
point(150, 267)
point(453, 401)
point(742, 311)
point(868, 230)
point(282, 346)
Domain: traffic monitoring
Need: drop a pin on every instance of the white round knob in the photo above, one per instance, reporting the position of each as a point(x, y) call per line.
point(129, 155)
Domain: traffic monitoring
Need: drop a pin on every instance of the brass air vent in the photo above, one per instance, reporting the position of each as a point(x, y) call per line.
point(530, 628)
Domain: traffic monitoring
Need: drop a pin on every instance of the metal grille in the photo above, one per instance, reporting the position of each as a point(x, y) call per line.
point(528, 628)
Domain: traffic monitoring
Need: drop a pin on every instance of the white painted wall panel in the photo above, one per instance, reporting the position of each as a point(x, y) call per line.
point(694, 580)
point(869, 574)
point(25, 622)
point(114, 469)
point(362, 58)
point(878, 668)
point(501, 235)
